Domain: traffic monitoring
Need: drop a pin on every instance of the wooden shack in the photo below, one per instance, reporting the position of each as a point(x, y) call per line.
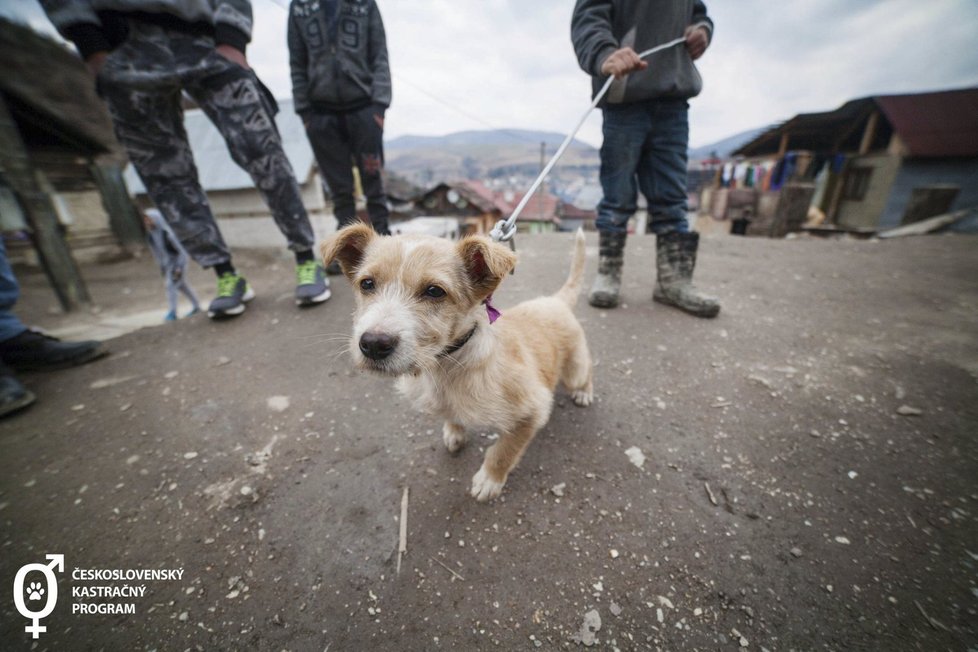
point(60, 165)
point(882, 161)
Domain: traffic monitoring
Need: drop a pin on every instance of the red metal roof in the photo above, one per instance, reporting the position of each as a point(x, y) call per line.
point(537, 208)
point(935, 124)
point(490, 199)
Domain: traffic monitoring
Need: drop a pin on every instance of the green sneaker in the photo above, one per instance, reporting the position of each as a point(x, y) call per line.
point(232, 294)
point(312, 286)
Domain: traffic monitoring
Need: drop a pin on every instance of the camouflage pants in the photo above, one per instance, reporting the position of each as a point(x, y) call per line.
point(142, 82)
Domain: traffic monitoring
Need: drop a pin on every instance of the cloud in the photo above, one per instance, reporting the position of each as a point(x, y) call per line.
point(509, 63)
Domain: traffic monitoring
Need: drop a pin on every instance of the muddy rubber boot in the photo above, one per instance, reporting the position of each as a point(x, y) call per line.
point(607, 284)
point(675, 261)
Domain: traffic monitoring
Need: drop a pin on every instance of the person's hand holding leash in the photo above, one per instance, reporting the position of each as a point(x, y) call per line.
point(697, 40)
point(621, 62)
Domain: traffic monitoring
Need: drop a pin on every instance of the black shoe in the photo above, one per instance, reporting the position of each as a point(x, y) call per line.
point(13, 395)
point(35, 351)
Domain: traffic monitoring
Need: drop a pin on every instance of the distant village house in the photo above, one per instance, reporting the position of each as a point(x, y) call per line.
point(872, 164)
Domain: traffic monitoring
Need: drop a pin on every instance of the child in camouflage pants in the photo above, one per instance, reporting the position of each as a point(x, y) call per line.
point(143, 62)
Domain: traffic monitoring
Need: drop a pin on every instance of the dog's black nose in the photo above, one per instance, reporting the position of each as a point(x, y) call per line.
point(377, 346)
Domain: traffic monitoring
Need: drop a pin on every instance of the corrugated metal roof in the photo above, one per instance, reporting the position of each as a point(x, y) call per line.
point(214, 165)
point(538, 208)
point(935, 124)
point(488, 199)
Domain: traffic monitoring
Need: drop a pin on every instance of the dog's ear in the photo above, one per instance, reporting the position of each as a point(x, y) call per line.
point(485, 263)
point(347, 246)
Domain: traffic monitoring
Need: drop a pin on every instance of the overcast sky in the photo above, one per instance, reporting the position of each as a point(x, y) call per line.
point(509, 63)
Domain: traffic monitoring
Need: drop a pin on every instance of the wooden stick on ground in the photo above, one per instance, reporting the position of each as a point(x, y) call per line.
point(447, 568)
point(933, 622)
point(709, 493)
point(402, 544)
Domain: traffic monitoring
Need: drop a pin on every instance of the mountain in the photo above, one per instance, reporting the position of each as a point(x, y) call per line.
point(501, 137)
point(723, 148)
point(511, 157)
point(486, 155)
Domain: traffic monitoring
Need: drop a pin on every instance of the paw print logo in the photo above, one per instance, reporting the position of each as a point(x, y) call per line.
point(34, 591)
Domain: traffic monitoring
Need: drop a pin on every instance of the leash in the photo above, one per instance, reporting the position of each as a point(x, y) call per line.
point(506, 229)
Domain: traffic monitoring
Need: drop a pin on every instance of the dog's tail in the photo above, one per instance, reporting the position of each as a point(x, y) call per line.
point(572, 286)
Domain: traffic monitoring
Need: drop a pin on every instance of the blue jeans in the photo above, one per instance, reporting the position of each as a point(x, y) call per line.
point(644, 149)
point(10, 326)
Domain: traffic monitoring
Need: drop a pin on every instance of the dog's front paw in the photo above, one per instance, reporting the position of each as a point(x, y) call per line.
point(582, 397)
point(485, 488)
point(454, 437)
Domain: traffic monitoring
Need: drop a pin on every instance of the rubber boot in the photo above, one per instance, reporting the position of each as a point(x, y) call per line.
point(675, 261)
point(607, 284)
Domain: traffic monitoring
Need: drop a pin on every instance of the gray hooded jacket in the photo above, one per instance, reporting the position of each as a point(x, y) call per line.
point(338, 55)
point(100, 25)
point(599, 27)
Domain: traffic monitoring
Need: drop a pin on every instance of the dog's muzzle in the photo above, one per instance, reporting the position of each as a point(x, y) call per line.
point(377, 346)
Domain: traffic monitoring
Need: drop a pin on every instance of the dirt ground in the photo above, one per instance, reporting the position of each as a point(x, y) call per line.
point(810, 477)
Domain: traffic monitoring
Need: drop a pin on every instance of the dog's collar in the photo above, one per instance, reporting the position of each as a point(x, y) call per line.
point(459, 343)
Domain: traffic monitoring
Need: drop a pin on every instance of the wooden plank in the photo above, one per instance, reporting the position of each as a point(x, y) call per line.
point(55, 255)
point(792, 208)
point(124, 219)
point(783, 145)
point(897, 147)
point(869, 133)
point(835, 198)
point(927, 226)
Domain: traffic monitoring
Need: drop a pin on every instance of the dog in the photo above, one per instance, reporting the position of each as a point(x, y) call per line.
point(424, 315)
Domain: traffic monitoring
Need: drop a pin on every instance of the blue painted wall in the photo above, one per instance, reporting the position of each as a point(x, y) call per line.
point(924, 172)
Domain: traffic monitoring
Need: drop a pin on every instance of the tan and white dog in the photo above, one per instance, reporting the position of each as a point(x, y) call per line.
point(421, 315)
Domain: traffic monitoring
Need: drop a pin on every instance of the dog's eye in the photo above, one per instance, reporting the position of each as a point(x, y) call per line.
point(434, 292)
point(368, 285)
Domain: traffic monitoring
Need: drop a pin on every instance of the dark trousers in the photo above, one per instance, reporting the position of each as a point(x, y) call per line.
point(644, 148)
point(342, 140)
point(142, 81)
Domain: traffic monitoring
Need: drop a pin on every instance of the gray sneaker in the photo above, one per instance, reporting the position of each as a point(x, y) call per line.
point(233, 292)
point(312, 286)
